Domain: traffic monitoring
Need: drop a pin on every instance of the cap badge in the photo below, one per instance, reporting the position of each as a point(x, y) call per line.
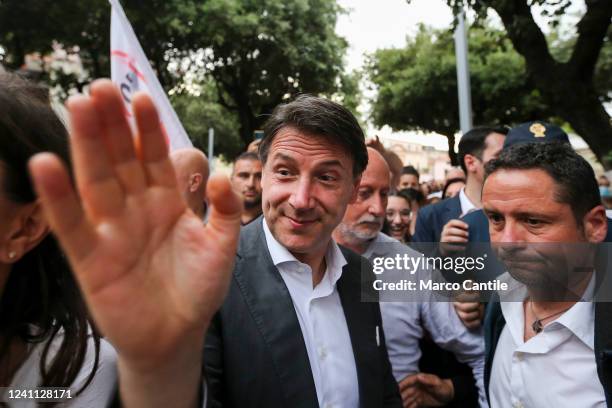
point(538, 130)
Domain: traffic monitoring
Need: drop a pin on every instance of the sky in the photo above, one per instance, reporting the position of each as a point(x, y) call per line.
point(372, 24)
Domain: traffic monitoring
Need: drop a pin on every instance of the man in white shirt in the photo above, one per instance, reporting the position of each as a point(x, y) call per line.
point(293, 331)
point(548, 344)
point(406, 319)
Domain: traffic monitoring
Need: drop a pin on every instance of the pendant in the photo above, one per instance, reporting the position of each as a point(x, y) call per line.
point(537, 326)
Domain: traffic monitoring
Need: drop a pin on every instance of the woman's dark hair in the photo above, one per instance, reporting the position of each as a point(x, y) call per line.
point(413, 195)
point(40, 292)
point(572, 174)
point(318, 117)
point(450, 182)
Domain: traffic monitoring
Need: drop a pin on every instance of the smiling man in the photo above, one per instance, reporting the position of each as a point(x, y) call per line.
point(293, 331)
point(545, 215)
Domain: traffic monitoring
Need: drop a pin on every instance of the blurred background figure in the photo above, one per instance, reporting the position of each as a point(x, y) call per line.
point(397, 223)
point(454, 173)
point(393, 161)
point(409, 178)
point(254, 146)
point(453, 187)
point(191, 168)
point(417, 200)
point(246, 180)
point(46, 335)
point(605, 193)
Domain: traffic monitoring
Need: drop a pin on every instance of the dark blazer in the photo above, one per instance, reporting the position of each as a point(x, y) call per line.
point(255, 355)
point(432, 218)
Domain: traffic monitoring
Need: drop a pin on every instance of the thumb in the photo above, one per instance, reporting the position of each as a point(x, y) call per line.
point(226, 208)
point(428, 380)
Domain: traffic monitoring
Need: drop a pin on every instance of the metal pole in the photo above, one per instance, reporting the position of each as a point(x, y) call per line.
point(463, 75)
point(211, 149)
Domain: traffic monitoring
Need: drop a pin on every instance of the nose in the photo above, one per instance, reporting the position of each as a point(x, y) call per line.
point(511, 233)
point(251, 181)
point(397, 218)
point(377, 206)
point(301, 198)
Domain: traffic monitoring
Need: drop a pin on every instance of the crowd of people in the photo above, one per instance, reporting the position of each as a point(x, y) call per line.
point(131, 276)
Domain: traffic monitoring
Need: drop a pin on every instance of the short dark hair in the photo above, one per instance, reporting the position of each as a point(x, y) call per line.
point(413, 195)
point(572, 174)
point(410, 170)
point(473, 142)
point(450, 182)
point(247, 156)
point(318, 117)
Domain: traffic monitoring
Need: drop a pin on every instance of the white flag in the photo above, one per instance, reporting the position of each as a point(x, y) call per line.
point(131, 71)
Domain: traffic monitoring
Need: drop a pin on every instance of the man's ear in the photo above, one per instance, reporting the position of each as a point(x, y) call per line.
point(595, 224)
point(28, 230)
point(470, 162)
point(356, 183)
point(195, 181)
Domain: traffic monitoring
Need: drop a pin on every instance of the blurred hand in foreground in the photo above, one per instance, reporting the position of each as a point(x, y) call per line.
point(152, 275)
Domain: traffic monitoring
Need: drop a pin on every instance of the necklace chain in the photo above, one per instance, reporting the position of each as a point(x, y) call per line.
point(537, 325)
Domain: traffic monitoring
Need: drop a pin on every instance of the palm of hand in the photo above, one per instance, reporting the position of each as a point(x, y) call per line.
point(151, 272)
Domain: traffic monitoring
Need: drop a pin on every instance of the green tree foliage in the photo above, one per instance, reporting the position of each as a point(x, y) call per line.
point(571, 86)
point(258, 52)
point(199, 112)
point(417, 84)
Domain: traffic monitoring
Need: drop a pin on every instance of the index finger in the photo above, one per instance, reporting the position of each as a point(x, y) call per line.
point(457, 224)
point(408, 381)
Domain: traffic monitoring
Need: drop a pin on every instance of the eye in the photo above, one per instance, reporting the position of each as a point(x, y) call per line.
point(327, 178)
point(283, 172)
point(390, 214)
point(363, 194)
point(495, 218)
point(533, 222)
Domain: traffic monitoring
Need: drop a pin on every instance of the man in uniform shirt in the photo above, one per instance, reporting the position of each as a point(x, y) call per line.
point(545, 347)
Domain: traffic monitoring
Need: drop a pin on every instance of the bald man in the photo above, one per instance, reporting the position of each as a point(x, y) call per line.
point(405, 320)
point(191, 168)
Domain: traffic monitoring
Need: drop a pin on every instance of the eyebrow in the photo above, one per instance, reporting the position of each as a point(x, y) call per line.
point(327, 163)
point(518, 214)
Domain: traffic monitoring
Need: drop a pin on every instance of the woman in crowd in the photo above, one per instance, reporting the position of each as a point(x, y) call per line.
point(417, 200)
point(46, 337)
point(397, 222)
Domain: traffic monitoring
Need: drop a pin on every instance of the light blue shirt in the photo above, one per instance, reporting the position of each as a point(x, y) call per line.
point(403, 323)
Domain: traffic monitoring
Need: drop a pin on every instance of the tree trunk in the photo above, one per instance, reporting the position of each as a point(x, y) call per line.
point(248, 124)
point(587, 116)
point(452, 154)
point(568, 88)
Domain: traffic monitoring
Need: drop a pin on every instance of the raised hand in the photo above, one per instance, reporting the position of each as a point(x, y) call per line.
point(152, 274)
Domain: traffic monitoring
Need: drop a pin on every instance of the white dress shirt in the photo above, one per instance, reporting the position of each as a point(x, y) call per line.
point(98, 393)
point(466, 205)
point(323, 323)
point(403, 323)
point(555, 368)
